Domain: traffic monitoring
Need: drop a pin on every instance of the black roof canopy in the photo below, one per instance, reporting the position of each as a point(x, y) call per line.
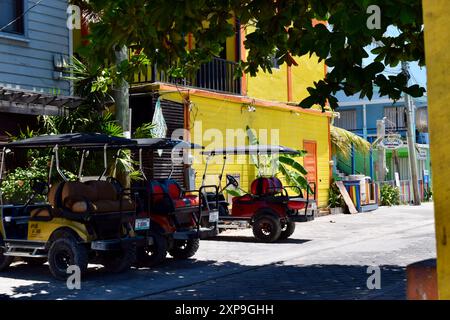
point(165, 143)
point(75, 140)
point(251, 150)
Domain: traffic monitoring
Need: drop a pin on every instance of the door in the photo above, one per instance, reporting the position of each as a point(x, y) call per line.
point(310, 162)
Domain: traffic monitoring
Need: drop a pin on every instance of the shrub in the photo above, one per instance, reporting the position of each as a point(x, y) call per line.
point(390, 195)
point(335, 199)
point(16, 187)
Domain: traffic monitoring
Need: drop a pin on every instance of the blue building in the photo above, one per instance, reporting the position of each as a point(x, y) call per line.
point(360, 117)
point(35, 45)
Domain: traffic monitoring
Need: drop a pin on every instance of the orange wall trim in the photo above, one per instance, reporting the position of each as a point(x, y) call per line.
point(190, 41)
point(242, 99)
point(187, 119)
point(243, 58)
point(289, 83)
point(329, 150)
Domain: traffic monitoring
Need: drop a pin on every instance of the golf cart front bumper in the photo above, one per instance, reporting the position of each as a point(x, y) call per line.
point(202, 233)
point(115, 244)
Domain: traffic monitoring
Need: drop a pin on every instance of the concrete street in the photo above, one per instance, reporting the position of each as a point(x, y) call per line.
point(325, 259)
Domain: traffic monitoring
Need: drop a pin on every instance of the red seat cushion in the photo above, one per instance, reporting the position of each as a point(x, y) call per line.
point(156, 191)
point(194, 200)
point(245, 197)
point(277, 185)
point(179, 203)
point(172, 188)
point(296, 204)
point(266, 186)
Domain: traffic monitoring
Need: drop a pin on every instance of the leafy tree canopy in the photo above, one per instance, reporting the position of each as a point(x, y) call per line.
point(159, 28)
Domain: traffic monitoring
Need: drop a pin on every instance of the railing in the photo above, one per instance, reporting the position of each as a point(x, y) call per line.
point(216, 75)
point(406, 193)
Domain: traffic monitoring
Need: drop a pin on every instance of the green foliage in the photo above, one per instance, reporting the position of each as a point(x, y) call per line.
point(390, 195)
point(144, 131)
point(343, 140)
point(286, 165)
point(159, 28)
point(16, 185)
point(335, 199)
point(428, 194)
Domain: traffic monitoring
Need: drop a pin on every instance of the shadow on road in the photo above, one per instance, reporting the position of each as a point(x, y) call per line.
point(250, 239)
point(192, 279)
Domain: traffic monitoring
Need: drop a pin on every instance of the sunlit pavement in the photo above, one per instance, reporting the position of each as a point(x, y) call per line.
point(325, 259)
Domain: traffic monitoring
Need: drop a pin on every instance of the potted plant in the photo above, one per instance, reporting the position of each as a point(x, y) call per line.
point(335, 200)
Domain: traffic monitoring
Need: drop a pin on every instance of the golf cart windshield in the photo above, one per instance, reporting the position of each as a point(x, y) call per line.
point(76, 141)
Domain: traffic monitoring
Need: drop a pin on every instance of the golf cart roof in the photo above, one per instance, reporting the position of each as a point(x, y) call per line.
point(251, 150)
point(76, 140)
point(165, 143)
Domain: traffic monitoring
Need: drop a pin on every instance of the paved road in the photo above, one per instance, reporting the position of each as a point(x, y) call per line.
point(325, 259)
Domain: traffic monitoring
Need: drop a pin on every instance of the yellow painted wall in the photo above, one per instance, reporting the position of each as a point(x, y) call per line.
point(274, 86)
point(437, 48)
point(303, 76)
point(221, 115)
point(269, 86)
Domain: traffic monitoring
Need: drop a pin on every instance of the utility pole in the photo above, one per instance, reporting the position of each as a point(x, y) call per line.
point(411, 139)
point(121, 96)
point(381, 130)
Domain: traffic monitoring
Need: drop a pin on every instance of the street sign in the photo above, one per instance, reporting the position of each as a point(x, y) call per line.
point(391, 142)
point(422, 154)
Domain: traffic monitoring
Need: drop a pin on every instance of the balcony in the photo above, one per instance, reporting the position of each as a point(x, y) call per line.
point(216, 75)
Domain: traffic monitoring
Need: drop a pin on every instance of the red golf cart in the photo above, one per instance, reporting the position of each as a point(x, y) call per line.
point(173, 214)
point(270, 208)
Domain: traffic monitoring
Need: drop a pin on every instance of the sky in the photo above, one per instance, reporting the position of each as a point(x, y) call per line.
point(418, 74)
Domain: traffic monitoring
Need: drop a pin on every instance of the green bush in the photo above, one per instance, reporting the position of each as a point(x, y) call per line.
point(335, 199)
point(16, 185)
point(390, 195)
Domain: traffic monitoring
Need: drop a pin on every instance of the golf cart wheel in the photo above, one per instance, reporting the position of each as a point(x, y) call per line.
point(65, 252)
point(149, 256)
point(184, 249)
point(119, 261)
point(267, 228)
point(5, 261)
point(35, 261)
point(287, 231)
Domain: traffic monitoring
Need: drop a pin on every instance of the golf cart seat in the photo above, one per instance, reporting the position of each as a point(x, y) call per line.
point(89, 197)
point(265, 186)
point(173, 188)
point(167, 196)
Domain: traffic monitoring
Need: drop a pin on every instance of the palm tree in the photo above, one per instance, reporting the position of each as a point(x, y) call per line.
point(342, 142)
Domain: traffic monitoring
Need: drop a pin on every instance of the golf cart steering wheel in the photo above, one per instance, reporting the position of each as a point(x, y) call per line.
point(232, 181)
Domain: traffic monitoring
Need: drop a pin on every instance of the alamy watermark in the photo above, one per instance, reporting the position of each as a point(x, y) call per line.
point(374, 20)
point(74, 17)
point(374, 280)
point(74, 279)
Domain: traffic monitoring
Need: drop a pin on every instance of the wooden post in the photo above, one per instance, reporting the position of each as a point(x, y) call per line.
point(437, 49)
point(381, 152)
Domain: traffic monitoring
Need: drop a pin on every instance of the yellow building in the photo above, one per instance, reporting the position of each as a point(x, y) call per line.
point(215, 110)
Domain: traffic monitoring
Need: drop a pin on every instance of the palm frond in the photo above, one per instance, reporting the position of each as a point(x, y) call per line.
point(342, 141)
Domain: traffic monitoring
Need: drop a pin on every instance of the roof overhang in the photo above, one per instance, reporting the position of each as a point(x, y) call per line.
point(35, 103)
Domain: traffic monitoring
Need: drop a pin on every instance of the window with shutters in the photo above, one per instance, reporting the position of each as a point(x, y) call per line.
point(11, 10)
point(346, 120)
point(395, 117)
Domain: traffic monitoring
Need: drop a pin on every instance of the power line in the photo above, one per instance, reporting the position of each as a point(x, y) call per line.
point(21, 16)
